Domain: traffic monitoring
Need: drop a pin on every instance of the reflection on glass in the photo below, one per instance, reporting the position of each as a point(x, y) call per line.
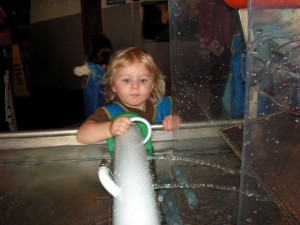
point(271, 134)
point(202, 33)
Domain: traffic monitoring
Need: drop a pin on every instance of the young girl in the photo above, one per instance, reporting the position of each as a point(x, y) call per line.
point(133, 83)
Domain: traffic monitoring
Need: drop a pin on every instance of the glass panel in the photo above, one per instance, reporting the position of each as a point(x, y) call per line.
point(201, 37)
point(271, 133)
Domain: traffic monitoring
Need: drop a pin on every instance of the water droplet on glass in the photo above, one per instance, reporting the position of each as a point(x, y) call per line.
point(259, 31)
point(249, 220)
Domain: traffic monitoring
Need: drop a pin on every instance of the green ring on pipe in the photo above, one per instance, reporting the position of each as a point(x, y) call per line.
point(148, 145)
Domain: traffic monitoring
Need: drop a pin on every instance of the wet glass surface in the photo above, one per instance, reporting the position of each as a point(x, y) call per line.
point(271, 132)
point(203, 184)
point(62, 192)
point(214, 178)
point(201, 35)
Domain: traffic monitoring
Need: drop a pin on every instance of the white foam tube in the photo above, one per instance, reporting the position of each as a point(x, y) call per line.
point(135, 204)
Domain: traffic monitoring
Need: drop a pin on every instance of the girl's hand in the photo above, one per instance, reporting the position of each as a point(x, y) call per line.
point(171, 122)
point(120, 126)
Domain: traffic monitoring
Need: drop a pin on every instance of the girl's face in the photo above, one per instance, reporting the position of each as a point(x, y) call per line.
point(133, 85)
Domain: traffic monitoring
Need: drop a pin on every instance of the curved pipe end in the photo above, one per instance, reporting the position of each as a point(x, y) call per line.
point(106, 180)
point(140, 119)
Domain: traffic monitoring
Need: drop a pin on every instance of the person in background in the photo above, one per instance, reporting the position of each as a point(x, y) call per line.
point(133, 83)
point(100, 51)
point(217, 26)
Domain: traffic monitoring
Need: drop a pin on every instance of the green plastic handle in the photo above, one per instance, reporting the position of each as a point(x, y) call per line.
point(146, 133)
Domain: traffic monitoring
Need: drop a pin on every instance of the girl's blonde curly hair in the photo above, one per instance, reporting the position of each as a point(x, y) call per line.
point(126, 57)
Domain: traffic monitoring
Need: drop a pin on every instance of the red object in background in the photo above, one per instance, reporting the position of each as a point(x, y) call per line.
point(236, 4)
point(239, 4)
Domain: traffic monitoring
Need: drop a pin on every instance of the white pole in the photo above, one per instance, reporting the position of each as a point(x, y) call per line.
point(136, 203)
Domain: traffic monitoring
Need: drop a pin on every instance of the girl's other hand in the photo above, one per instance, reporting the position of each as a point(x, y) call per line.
point(171, 123)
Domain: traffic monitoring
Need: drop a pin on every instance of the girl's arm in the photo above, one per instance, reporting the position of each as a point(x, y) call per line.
point(91, 132)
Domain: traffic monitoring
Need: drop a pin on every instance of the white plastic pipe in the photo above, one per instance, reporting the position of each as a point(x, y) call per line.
point(104, 173)
point(135, 204)
point(140, 119)
point(106, 180)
